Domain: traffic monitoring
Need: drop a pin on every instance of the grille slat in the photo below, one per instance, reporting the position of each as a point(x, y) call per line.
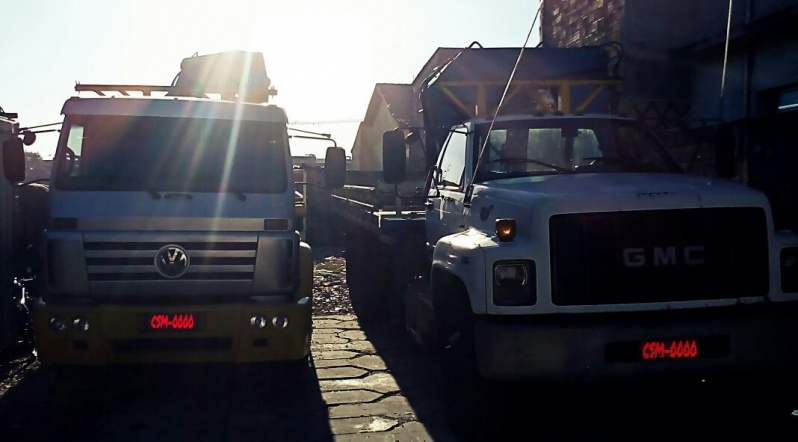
point(658, 256)
point(135, 261)
point(154, 246)
point(150, 253)
point(134, 269)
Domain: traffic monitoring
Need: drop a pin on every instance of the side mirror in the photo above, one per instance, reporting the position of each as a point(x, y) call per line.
point(335, 167)
point(14, 160)
point(28, 137)
point(393, 156)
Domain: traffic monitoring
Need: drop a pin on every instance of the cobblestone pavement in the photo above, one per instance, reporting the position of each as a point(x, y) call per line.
point(367, 399)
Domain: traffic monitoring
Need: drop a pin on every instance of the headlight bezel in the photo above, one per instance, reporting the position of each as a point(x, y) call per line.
point(514, 291)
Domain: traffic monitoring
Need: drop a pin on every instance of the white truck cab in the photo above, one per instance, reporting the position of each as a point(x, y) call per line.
point(557, 241)
point(571, 248)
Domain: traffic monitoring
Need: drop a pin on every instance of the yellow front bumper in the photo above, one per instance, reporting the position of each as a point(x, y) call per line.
point(124, 334)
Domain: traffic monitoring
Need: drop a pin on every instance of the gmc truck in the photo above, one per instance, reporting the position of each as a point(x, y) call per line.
point(556, 241)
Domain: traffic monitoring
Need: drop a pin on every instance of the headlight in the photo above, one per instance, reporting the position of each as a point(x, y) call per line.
point(514, 283)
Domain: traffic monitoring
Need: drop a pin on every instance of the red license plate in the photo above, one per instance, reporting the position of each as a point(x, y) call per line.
point(671, 349)
point(668, 349)
point(170, 321)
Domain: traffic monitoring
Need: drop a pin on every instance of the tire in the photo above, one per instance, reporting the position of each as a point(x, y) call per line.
point(296, 371)
point(465, 392)
point(27, 336)
point(365, 277)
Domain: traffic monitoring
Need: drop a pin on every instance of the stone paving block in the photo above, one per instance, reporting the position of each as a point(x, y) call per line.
point(329, 363)
point(340, 373)
point(382, 382)
point(358, 425)
point(349, 325)
point(328, 323)
point(328, 338)
point(407, 432)
point(318, 348)
point(355, 335)
point(361, 346)
point(369, 362)
point(415, 431)
point(393, 406)
point(349, 396)
point(336, 317)
point(325, 331)
point(335, 354)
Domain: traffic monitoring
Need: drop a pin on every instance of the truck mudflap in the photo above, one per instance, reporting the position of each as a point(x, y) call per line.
point(119, 334)
point(641, 346)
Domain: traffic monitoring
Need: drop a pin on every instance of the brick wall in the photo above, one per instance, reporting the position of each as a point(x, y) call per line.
point(573, 23)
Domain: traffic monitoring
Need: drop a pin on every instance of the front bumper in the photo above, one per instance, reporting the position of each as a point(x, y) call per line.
point(754, 339)
point(123, 334)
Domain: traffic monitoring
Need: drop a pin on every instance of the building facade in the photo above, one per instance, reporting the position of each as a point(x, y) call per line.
point(717, 80)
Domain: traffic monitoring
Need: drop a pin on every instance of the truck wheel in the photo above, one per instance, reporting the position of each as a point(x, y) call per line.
point(465, 391)
point(364, 277)
point(296, 371)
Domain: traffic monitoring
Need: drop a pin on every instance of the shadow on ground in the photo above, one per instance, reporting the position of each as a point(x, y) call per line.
point(685, 410)
point(170, 402)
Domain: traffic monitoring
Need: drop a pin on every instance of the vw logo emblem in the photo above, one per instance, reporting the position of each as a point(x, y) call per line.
point(171, 261)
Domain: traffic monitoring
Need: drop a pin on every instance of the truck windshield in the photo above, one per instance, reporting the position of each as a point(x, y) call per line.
point(555, 146)
point(123, 153)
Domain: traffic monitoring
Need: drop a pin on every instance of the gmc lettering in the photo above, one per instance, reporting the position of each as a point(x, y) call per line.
point(663, 256)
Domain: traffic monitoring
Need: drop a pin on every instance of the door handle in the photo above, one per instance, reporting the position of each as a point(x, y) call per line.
point(428, 204)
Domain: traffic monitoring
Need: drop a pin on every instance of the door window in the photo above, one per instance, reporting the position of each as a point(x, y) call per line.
point(452, 162)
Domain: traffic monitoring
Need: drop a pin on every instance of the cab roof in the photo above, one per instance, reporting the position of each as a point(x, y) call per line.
point(174, 107)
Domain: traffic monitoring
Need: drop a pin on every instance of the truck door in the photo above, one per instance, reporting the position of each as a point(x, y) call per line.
point(447, 188)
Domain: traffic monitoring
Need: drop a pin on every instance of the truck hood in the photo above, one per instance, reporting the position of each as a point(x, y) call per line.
point(616, 191)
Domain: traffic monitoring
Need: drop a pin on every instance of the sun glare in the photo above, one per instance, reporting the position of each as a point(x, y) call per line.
point(321, 56)
point(317, 57)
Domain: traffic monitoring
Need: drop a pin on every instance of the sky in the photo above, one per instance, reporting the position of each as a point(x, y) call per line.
point(324, 57)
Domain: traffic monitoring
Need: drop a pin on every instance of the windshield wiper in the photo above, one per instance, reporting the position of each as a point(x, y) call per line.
point(623, 163)
point(530, 160)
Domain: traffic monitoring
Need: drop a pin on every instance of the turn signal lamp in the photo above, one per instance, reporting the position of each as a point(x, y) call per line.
point(505, 229)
